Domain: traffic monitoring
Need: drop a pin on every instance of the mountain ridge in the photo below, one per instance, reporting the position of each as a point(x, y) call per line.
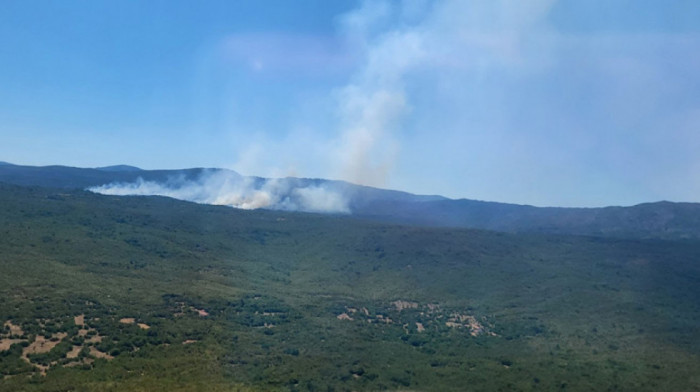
point(662, 219)
point(119, 168)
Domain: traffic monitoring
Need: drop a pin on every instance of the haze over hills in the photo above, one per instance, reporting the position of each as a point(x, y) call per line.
point(226, 187)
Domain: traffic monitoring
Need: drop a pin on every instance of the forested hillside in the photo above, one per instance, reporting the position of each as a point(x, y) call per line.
point(150, 293)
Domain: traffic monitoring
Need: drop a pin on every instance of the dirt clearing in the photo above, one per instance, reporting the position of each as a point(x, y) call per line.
point(14, 329)
point(99, 354)
point(43, 345)
point(6, 343)
point(74, 352)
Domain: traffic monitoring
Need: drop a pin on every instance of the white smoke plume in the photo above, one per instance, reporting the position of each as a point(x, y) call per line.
point(372, 106)
point(406, 66)
point(407, 47)
point(221, 187)
point(416, 62)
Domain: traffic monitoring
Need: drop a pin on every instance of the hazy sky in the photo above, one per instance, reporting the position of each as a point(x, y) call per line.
point(544, 102)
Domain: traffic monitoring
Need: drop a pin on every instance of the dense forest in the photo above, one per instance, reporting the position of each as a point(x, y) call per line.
point(106, 293)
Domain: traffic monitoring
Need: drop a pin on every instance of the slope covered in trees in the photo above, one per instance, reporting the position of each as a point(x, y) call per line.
point(151, 293)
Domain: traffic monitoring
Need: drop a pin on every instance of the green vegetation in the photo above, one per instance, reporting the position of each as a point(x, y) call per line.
point(149, 293)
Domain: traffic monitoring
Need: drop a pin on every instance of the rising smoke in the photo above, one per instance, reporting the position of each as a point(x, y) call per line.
point(373, 104)
point(222, 187)
point(407, 47)
point(401, 48)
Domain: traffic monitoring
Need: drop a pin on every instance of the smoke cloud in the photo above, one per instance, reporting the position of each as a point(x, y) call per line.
point(415, 49)
point(222, 187)
point(373, 104)
point(408, 69)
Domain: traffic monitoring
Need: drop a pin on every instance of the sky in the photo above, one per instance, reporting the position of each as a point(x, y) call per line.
point(551, 103)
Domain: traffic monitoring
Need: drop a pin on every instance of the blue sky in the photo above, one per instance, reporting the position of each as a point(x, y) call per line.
point(544, 102)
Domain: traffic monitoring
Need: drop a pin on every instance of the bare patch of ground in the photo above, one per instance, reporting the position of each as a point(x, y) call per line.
point(189, 341)
point(430, 315)
point(131, 320)
point(401, 305)
point(74, 352)
point(458, 320)
point(201, 312)
point(381, 318)
point(94, 339)
point(43, 345)
point(85, 361)
point(14, 329)
point(99, 354)
point(5, 344)
point(40, 343)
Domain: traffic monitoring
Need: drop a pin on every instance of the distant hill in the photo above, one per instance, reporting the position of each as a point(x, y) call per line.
point(80, 178)
point(650, 220)
point(119, 168)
